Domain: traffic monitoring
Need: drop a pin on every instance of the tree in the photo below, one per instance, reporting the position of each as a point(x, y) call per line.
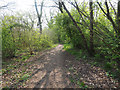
point(91, 28)
point(39, 14)
point(75, 23)
point(109, 17)
point(118, 17)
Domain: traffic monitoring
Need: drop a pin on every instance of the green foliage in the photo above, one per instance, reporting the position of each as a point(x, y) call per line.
point(25, 57)
point(78, 53)
point(108, 66)
point(18, 37)
point(72, 80)
point(25, 77)
point(66, 31)
point(8, 46)
point(68, 46)
point(81, 84)
point(17, 34)
point(105, 41)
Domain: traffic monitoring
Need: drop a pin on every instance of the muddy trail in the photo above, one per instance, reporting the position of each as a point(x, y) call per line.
point(57, 68)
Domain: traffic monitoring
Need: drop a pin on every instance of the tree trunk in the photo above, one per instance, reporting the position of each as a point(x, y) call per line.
point(39, 15)
point(75, 23)
point(59, 39)
point(118, 24)
point(109, 16)
point(91, 29)
point(118, 17)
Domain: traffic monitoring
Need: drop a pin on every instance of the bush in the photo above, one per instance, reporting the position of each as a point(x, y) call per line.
point(8, 45)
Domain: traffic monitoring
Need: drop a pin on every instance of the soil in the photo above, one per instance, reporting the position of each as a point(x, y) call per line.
point(57, 68)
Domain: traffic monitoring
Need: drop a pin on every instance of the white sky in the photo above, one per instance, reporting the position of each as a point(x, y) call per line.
point(25, 5)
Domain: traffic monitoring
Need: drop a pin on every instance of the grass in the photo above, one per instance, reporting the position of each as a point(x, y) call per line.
point(81, 84)
point(25, 77)
point(80, 54)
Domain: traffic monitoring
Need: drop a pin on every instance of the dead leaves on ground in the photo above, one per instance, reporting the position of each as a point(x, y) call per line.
point(84, 76)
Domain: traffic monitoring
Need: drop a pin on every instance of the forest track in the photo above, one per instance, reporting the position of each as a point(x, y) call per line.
point(55, 68)
point(50, 70)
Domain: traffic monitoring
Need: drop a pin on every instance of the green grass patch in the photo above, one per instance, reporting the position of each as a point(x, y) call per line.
point(25, 57)
point(72, 80)
point(25, 77)
point(81, 84)
point(77, 52)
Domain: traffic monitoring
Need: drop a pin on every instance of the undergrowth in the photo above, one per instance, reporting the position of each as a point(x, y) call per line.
point(110, 66)
point(16, 68)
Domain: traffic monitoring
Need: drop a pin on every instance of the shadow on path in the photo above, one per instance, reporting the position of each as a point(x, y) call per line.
point(50, 71)
point(56, 67)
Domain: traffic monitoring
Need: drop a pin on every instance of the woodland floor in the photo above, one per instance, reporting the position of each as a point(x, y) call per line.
point(57, 68)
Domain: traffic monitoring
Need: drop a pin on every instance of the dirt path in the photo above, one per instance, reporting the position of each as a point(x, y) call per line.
point(52, 70)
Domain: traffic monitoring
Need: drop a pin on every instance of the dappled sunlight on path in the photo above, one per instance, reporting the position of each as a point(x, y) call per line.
point(50, 71)
point(57, 68)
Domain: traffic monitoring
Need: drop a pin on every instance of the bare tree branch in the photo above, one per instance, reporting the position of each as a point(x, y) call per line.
point(101, 8)
point(108, 13)
point(39, 14)
point(113, 7)
point(82, 35)
point(7, 5)
point(48, 6)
